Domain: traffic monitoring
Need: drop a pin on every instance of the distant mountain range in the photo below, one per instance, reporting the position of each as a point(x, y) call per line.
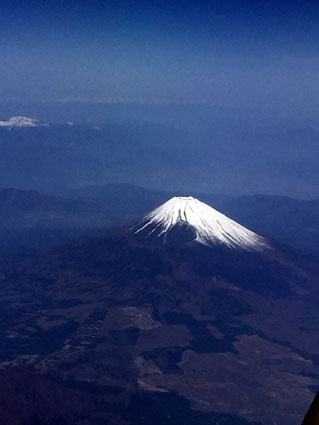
point(22, 122)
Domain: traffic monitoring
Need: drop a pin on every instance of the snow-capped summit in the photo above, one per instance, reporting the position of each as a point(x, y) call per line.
point(210, 227)
point(21, 122)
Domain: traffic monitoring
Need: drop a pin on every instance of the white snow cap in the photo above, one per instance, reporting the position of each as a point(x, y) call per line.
point(211, 226)
point(21, 122)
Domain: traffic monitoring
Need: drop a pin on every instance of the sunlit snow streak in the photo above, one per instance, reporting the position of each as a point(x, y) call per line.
point(211, 226)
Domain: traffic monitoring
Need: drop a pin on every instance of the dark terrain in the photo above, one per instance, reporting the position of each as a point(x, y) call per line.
point(134, 331)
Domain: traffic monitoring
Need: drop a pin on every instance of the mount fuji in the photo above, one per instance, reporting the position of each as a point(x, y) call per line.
point(208, 226)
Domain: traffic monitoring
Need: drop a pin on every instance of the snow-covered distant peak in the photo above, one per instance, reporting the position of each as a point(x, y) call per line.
point(21, 122)
point(211, 227)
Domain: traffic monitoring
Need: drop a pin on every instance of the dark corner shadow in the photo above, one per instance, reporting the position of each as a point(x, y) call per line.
point(312, 416)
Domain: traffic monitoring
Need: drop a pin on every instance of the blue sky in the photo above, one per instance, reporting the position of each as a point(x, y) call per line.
point(233, 53)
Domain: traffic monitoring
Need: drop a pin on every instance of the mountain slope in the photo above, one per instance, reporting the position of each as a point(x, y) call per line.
point(210, 226)
point(138, 321)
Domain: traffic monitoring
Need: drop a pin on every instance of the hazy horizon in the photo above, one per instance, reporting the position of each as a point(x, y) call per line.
point(238, 80)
